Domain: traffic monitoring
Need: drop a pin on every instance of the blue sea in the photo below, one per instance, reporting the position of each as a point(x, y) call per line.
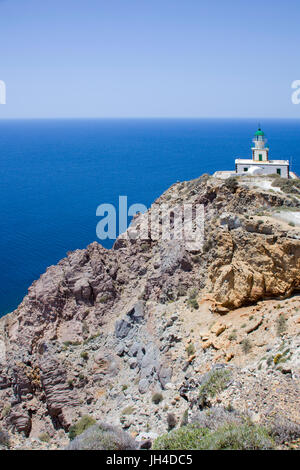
point(54, 174)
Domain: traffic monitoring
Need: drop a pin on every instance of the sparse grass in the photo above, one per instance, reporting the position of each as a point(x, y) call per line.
point(281, 324)
point(192, 299)
point(246, 345)
point(128, 410)
point(91, 338)
point(185, 418)
point(216, 381)
point(269, 361)
point(284, 430)
point(66, 344)
point(232, 336)
point(85, 327)
point(103, 299)
point(287, 185)
point(281, 357)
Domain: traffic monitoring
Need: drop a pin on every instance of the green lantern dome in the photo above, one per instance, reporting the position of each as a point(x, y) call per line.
point(259, 133)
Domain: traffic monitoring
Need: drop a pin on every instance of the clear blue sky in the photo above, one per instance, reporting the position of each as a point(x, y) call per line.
point(149, 58)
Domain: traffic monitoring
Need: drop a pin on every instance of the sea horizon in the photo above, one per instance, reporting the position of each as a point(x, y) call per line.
point(216, 118)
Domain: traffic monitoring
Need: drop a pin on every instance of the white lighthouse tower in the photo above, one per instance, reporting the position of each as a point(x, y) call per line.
point(260, 153)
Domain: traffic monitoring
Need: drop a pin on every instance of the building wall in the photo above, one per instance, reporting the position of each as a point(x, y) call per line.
point(262, 152)
point(266, 169)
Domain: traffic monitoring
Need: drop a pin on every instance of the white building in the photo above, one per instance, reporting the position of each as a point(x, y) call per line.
point(260, 163)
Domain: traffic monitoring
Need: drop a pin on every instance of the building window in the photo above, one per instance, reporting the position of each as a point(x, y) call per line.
point(245, 169)
point(260, 157)
point(278, 171)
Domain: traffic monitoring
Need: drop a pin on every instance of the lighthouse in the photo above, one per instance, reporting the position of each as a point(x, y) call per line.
point(260, 153)
point(260, 163)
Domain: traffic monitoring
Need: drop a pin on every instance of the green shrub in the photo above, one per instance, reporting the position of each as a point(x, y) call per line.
point(231, 183)
point(190, 349)
point(229, 437)
point(84, 355)
point(157, 398)
point(193, 303)
point(44, 437)
point(214, 382)
point(84, 423)
point(277, 358)
point(144, 247)
point(6, 410)
point(184, 438)
point(70, 383)
point(238, 437)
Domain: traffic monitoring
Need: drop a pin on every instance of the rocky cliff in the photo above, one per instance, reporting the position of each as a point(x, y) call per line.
point(104, 330)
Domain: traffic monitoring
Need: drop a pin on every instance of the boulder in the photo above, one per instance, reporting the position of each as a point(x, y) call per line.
point(232, 221)
point(144, 385)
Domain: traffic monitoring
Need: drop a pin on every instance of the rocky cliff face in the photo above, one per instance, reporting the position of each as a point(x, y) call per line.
point(103, 330)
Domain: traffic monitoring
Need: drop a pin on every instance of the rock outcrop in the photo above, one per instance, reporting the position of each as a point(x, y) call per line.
point(103, 330)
